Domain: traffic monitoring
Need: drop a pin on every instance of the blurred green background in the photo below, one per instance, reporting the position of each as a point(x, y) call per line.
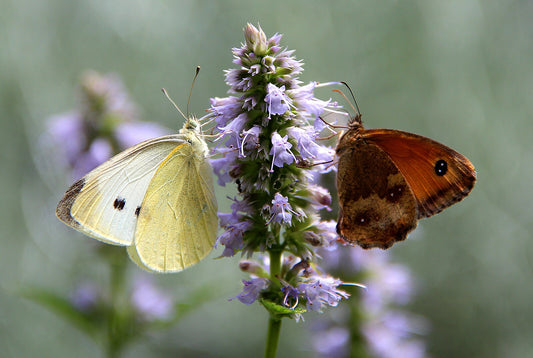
point(457, 71)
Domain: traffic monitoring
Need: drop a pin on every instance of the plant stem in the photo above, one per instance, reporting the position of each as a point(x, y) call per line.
point(275, 263)
point(357, 343)
point(274, 328)
point(274, 322)
point(115, 332)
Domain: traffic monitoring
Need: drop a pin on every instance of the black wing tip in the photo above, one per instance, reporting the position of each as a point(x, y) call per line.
point(65, 205)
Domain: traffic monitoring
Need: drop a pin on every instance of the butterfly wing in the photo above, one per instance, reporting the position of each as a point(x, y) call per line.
point(103, 204)
point(377, 207)
point(437, 175)
point(178, 220)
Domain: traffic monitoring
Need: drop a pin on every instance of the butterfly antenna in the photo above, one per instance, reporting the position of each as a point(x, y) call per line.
point(173, 103)
point(353, 97)
point(356, 108)
point(192, 86)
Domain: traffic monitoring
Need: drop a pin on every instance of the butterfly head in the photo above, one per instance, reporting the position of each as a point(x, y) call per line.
point(191, 124)
point(355, 122)
point(191, 132)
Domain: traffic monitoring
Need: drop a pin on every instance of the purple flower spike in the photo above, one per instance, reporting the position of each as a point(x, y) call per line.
point(104, 124)
point(267, 127)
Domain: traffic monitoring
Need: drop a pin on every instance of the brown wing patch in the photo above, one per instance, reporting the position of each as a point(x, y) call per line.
point(377, 207)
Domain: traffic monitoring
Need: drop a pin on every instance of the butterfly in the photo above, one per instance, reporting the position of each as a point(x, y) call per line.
point(389, 179)
point(156, 198)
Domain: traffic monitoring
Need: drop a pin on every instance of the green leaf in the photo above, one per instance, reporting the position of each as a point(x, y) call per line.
point(281, 311)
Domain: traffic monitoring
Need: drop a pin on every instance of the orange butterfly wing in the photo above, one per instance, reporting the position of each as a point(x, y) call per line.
point(437, 175)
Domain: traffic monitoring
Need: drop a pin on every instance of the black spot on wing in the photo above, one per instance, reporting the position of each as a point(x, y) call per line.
point(137, 211)
point(119, 203)
point(441, 167)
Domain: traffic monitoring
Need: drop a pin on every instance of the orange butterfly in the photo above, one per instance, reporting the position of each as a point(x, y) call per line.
point(388, 179)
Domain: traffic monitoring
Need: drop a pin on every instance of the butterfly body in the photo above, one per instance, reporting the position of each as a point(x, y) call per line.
point(156, 197)
point(388, 179)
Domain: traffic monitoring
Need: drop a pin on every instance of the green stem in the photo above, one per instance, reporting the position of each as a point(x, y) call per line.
point(357, 341)
point(274, 322)
point(115, 331)
point(275, 263)
point(274, 328)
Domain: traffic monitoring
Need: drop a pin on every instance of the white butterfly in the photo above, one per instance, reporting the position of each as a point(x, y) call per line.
point(156, 197)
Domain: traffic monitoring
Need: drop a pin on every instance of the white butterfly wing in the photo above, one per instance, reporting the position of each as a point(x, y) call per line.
point(104, 204)
point(178, 221)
